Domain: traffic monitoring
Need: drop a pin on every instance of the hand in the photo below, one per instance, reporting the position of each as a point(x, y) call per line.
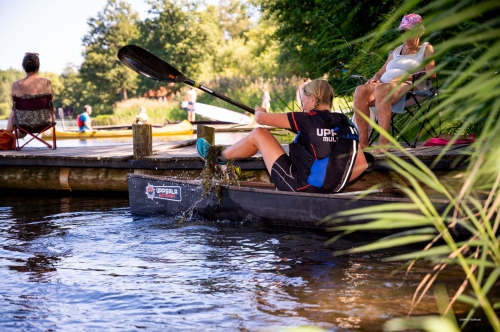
point(373, 80)
point(260, 109)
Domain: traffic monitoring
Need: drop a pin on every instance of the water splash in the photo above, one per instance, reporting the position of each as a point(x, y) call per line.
point(188, 214)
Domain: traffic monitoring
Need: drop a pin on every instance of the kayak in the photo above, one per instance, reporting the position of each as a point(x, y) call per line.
point(175, 198)
point(222, 114)
point(182, 128)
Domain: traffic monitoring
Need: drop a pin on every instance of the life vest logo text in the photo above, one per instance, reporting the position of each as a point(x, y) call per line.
point(328, 134)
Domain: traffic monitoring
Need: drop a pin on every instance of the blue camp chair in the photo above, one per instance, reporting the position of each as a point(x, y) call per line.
point(414, 106)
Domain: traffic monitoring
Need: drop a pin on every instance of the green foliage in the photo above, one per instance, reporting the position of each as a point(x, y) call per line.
point(159, 112)
point(315, 33)
point(73, 91)
point(181, 34)
point(105, 79)
point(7, 77)
point(468, 63)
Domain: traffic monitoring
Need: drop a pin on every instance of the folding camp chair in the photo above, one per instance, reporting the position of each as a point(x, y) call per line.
point(414, 106)
point(32, 117)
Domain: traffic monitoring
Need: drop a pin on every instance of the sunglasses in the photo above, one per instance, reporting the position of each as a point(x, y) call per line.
point(28, 53)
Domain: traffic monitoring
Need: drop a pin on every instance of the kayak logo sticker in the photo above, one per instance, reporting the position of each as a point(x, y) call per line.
point(170, 193)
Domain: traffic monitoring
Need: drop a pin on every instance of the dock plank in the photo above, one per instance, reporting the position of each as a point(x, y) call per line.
point(106, 167)
point(182, 155)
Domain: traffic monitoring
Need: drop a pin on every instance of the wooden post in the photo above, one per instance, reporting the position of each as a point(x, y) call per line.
point(207, 133)
point(142, 140)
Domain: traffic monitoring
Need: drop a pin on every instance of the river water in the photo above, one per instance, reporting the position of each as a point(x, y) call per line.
point(85, 263)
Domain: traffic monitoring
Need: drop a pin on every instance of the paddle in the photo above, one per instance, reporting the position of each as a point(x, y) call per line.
point(149, 65)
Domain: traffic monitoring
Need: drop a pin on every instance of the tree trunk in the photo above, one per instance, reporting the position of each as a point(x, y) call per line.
point(123, 94)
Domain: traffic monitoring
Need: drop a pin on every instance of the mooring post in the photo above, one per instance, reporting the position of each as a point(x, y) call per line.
point(142, 140)
point(206, 132)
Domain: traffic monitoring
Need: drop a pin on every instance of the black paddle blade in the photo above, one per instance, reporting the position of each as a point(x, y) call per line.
point(149, 65)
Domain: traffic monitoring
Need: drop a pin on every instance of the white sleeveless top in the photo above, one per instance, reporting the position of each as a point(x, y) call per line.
point(403, 64)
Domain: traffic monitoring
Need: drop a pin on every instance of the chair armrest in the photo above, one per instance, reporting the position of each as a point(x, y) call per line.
point(417, 75)
point(361, 79)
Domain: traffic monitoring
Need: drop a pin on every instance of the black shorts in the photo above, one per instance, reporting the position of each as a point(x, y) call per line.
point(285, 177)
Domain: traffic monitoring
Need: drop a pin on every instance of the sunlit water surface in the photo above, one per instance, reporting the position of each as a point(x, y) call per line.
point(85, 263)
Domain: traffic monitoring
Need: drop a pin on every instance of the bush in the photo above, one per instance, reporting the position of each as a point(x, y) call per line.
point(159, 112)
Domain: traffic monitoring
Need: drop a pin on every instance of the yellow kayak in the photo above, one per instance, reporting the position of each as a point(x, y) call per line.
point(183, 128)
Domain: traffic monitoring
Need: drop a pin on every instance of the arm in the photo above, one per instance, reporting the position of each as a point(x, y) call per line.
point(88, 123)
point(279, 120)
point(378, 75)
point(15, 90)
point(49, 87)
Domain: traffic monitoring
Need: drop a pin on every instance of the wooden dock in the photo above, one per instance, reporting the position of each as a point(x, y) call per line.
point(104, 168)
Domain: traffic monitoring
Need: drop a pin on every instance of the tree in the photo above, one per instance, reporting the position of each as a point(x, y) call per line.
point(107, 78)
point(233, 18)
point(7, 77)
point(181, 34)
point(315, 33)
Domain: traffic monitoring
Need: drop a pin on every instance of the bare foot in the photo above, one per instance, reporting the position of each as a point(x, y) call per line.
point(381, 149)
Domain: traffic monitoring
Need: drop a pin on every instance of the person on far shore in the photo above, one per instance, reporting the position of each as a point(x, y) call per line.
point(188, 104)
point(298, 92)
point(142, 116)
point(266, 98)
point(85, 119)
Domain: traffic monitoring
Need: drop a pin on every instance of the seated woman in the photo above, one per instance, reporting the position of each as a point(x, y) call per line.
point(324, 156)
point(393, 80)
point(142, 116)
point(32, 86)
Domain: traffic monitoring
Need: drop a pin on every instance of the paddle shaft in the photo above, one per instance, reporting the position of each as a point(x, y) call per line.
point(218, 95)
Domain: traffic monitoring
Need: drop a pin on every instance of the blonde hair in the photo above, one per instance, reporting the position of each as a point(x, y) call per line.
point(320, 90)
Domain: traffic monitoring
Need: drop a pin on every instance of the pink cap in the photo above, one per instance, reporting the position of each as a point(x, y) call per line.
point(409, 21)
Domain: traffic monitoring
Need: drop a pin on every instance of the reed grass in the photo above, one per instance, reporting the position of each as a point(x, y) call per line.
point(469, 102)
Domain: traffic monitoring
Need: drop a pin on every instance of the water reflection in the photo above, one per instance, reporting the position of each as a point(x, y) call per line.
point(85, 263)
point(30, 219)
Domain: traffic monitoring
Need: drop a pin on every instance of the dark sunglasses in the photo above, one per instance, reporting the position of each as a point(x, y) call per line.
point(403, 31)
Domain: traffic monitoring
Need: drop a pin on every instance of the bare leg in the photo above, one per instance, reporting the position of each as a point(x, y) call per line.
point(262, 140)
point(363, 99)
point(386, 95)
point(191, 116)
point(259, 139)
point(360, 164)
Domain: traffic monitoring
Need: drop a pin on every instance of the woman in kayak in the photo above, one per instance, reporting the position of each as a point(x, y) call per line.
point(324, 156)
